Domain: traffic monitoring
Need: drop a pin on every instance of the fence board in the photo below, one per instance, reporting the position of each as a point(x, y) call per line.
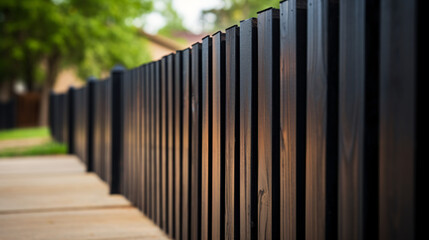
point(398, 111)
point(322, 120)
point(218, 136)
point(248, 129)
point(178, 102)
point(358, 120)
point(164, 143)
point(206, 163)
point(232, 133)
point(187, 144)
point(196, 106)
point(153, 140)
point(158, 143)
point(142, 145)
point(268, 124)
point(171, 174)
point(293, 60)
point(117, 129)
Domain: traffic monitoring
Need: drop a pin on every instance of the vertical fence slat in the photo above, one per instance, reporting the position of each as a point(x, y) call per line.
point(153, 139)
point(398, 111)
point(178, 102)
point(322, 120)
point(293, 60)
point(164, 143)
point(268, 124)
point(71, 119)
point(358, 120)
point(218, 136)
point(232, 133)
point(157, 109)
point(187, 144)
point(196, 108)
point(117, 129)
point(171, 175)
point(147, 140)
point(150, 140)
point(248, 129)
point(206, 161)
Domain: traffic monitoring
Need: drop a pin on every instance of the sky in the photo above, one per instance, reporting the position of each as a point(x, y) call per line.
point(189, 10)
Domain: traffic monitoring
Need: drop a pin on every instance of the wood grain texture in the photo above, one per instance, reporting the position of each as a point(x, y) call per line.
point(358, 120)
point(293, 60)
point(196, 142)
point(187, 144)
point(268, 124)
point(218, 116)
point(170, 144)
point(398, 87)
point(178, 143)
point(207, 131)
point(232, 133)
point(70, 205)
point(120, 224)
point(322, 120)
point(248, 129)
point(164, 143)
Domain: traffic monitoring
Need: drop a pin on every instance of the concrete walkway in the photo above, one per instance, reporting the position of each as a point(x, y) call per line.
point(53, 197)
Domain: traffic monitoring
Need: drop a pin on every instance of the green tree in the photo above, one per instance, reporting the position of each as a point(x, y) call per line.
point(233, 11)
point(39, 37)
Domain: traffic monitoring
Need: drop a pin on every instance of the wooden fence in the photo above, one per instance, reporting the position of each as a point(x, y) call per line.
point(302, 123)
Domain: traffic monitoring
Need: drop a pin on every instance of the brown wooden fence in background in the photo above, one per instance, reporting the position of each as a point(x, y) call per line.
point(302, 123)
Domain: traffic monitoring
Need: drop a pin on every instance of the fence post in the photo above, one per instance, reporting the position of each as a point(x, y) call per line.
point(117, 75)
point(90, 127)
point(71, 119)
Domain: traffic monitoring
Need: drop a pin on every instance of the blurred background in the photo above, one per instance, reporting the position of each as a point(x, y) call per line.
point(55, 44)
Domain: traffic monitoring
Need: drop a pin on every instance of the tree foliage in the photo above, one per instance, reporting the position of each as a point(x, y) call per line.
point(233, 11)
point(38, 37)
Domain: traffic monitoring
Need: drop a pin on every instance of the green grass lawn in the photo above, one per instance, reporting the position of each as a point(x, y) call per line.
point(47, 147)
point(19, 133)
point(42, 149)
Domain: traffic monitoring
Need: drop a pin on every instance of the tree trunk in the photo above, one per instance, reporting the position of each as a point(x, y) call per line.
point(52, 73)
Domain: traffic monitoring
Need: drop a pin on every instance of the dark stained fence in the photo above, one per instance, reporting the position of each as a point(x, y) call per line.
point(301, 124)
point(8, 114)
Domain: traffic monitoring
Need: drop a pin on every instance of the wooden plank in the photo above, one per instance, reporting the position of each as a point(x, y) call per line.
point(153, 141)
point(293, 60)
point(53, 192)
point(187, 144)
point(164, 143)
point(218, 136)
point(140, 138)
point(398, 112)
point(358, 120)
point(232, 133)
point(248, 129)
point(117, 74)
point(268, 124)
point(196, 135)
point(178, 144)
point(171, 146)
point(39, 165)
point(206, 161)
point(121, 223)
point(157, 110)
point(147, 140)
point(322, 120)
